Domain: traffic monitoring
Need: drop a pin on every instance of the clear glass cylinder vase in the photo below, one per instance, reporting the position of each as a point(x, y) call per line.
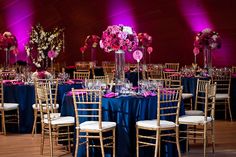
point(119, 66)
point(207, 58)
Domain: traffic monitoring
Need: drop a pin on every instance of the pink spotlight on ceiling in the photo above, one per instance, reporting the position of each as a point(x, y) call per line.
point(195, 15)
point(120, 12)
point(19, 20)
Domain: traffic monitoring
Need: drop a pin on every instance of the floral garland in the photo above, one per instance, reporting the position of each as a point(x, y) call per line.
point(206, 39)
point(91, 41)
point(41, 43)
point(119, 37)
point(8, 42)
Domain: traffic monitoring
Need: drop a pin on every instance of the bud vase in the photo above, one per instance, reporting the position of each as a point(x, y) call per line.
point(207, 58)
point(119, 66)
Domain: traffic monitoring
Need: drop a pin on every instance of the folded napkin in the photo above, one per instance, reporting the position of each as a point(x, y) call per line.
point(169, 70)
point(69, 82)
point(110, 95)
point(148, 93)
point(18, 83)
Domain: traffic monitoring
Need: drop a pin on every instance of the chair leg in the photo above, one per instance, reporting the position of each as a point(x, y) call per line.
point(101, 142)
point(205, 138)
point(177, 141)
point(18, 119)
point(35, 123)
point(187, 141)
point(137, 142)
point(157, 142)
point(69, 144)
point(51, 141)
point(230, 113)
point(213, 136)
point(114, 142)
point(77, 143)
point(3, 123)
point(87, 144)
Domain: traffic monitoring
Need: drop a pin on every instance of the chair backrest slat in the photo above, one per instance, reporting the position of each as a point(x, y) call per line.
point(168, 104)
point(87, 105)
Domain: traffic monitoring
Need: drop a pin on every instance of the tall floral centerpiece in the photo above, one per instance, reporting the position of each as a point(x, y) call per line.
point(206, 41)
point(144, 43)
point(9, 44)
point(119, 39)
point(44, 45)
point(91, 42)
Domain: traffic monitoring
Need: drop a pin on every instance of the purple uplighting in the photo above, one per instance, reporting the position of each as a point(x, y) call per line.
point(19, 20)
point(120, 12)
point(195, 15)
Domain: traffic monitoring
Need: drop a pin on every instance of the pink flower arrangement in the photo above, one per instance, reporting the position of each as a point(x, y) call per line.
point(206, 39)
point(144, 39)
point(91, 41)
point(52, 54)
point(8, 41)
point(119, 37)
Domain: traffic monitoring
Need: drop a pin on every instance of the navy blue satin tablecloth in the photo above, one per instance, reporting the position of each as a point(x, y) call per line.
point(125, 111)
point(25, 96)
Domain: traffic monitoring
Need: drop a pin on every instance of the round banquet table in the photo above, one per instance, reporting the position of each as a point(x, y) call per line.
point(125, 111)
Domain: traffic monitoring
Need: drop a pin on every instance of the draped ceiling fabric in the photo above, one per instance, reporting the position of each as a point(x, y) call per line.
point(172, 24)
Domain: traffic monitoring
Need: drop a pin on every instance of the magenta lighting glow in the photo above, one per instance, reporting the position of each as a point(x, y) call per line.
point(19, 21)
point(120, 12)
point(195, 14)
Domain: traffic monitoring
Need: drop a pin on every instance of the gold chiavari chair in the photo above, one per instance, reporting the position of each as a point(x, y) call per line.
point(174, 66)
point(166, 83)
point(223, 93)
point(108, 69)
point(233, 69)
point(88, 106)
point(199, 98)
point(9, 112)
point(53, 86)
point(52, 126)
point(8, 75)
point(168, 105)
point(199, 126)
point(82, 66)
point(81, 75)
point(176, 81)
point(104, 79)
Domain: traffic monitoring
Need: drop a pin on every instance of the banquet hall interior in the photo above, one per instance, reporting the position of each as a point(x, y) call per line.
point(128, 55)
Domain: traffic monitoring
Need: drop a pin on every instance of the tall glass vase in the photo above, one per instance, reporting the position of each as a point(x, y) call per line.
point(7, 59)
point(119, 66)
point(207, 58)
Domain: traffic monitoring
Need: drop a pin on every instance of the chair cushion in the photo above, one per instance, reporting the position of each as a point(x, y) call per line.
point(194, 112)
point(185, 119)
point(187, 95)
point(9, 106)
point(153, 124)
point(36, 106)
point(93, 125)
point(220, 96)
point(52, 115)
point(61, 120)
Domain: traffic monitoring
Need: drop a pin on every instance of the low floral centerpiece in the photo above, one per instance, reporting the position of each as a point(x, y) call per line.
point(119, 39)
point(43, 45)
point(205, 41)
